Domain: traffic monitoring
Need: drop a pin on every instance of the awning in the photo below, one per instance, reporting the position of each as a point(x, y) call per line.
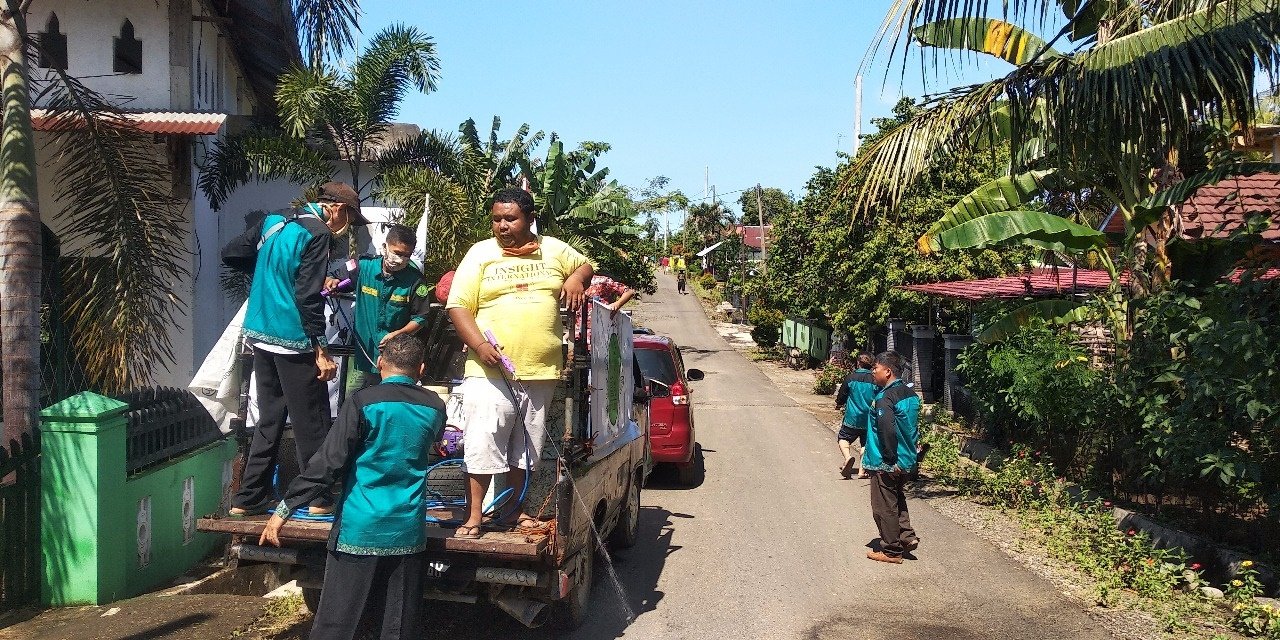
point(174, 123)
point(710, 249)
point(1038, 283)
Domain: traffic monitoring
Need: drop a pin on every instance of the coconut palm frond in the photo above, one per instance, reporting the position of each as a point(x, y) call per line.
point(123, 294)
point(396, 59)
point(893, 162)
point(328, 27)
point(260, 155)
point(307, 97)
point(998, 38)
point(436, 150)
point(1154, 88)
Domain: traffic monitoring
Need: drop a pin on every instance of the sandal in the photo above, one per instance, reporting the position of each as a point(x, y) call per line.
point(241, 512)
point(464, 532)
point(528, 522)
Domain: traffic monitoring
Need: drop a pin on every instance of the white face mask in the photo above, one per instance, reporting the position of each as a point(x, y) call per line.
point(391, 260)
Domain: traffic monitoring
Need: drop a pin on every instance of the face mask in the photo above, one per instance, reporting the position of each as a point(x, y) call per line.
point(393, 261)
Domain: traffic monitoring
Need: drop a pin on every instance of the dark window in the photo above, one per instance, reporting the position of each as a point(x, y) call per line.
point(128, 51)
point(53, 45)
point(657, 364)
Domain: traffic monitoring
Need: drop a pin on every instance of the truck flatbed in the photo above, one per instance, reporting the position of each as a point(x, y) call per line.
point(505, 545)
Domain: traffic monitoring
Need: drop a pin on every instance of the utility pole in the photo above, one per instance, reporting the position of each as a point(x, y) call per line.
point(857, 113)
point(760, 210)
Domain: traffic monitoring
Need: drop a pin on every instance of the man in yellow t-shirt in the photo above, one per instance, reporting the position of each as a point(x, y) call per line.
point(511, 285)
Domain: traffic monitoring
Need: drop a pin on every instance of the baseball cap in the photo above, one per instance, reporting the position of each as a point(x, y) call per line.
point(342, 192)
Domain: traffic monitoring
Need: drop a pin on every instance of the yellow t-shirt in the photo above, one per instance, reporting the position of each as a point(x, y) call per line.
point(518, 298)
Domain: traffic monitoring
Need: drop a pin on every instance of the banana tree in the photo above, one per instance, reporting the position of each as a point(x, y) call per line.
point(1138, 80)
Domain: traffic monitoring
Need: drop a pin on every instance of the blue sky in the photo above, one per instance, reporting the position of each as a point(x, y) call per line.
point(758, 92)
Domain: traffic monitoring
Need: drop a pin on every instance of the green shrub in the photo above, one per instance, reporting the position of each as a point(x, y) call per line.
point(766, 324)
point(707, 281)
point(1036, 387)
point(829, 380)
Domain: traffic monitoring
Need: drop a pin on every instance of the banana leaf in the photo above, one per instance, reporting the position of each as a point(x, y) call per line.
point(1056, 312)
point(1001, 39)
point(1031, 228)
point(1001, 194)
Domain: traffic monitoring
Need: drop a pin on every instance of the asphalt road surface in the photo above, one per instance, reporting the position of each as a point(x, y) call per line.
point(772, 544)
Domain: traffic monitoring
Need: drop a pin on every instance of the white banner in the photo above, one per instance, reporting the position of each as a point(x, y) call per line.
point(612, 386)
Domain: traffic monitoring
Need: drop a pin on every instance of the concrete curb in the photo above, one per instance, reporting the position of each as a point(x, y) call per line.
point(1219, 562)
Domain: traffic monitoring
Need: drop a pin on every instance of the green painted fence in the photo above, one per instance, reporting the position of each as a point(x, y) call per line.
point(109, 535)
point(19, 523)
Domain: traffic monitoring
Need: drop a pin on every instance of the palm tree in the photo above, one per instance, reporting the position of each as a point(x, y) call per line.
point(19, 236)
point(327, 115)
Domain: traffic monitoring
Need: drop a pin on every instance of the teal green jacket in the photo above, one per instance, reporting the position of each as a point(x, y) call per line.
point(285, 305)
point(895, 430)
point(379, 446)
point(856, 396)
point(384, 304)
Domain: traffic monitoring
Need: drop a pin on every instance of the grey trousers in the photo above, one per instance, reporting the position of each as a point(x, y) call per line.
point(889, 509)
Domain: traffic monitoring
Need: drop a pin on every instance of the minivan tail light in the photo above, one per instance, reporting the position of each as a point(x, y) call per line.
point(678, 395)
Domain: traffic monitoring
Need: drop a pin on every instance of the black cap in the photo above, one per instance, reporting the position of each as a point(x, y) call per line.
point(342, 193)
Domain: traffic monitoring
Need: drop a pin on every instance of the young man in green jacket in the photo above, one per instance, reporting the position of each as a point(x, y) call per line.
point(855, 396)
point(378, 449)
point(391, 299)
point(890, 456)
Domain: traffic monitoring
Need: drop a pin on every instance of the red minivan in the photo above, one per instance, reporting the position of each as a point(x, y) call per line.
point(671, 434)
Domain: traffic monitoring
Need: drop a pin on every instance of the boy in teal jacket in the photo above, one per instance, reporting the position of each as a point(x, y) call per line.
point(890, 456)
point(378, 448)
point(856, 397)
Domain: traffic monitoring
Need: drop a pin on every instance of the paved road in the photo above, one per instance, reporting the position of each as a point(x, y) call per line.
point(773, 543)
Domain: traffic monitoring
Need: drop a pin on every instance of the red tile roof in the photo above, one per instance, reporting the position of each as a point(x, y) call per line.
point(1214, 211)
point(751, 234)
point(1258, 274)
point(1036, 283)
point(175, 123)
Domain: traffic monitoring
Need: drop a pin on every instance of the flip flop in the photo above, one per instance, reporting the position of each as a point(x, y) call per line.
point(239, 512)
point(529, 522)
point(464, 532)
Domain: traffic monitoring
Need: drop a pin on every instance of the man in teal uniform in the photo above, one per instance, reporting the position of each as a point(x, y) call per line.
point(391, 299)
point(856, 397)
point(890, 456)
point(378, 448)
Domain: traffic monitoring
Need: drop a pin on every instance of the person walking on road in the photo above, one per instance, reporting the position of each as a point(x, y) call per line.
point(285, 324)
point(680, 281)
point(379, 450)
point(890, 456)
point(856, 397)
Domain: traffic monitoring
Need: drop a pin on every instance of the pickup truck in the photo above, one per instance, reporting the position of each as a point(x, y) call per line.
point(587, 489)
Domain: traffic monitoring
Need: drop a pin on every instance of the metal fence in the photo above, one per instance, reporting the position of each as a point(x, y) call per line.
point(20, 523)
point(164, 423)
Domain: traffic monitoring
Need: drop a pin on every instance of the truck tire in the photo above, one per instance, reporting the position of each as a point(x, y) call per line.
point(311, 596)
point(570, 613)
point(626, 532)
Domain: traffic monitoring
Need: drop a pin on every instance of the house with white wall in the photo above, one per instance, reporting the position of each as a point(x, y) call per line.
point(187, 71)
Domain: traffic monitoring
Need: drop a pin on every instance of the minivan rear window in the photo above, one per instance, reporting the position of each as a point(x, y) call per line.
point(657, 364)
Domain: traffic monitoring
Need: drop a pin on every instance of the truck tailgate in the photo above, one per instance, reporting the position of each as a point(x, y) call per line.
point(504, 545)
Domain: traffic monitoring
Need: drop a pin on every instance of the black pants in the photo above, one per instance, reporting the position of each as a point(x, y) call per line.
point(390, 585)
point(287, 388)
point(889, 509)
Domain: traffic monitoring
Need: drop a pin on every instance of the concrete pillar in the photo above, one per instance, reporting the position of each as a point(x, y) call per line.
point(922, 360)
point(899, 339)
point(82, 470)
point(953, 344)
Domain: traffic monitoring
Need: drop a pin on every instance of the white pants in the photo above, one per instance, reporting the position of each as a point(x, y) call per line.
point(501, 431)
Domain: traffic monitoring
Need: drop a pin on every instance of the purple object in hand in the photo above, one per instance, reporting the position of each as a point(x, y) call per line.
point(346, 282)
point(506, 362)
